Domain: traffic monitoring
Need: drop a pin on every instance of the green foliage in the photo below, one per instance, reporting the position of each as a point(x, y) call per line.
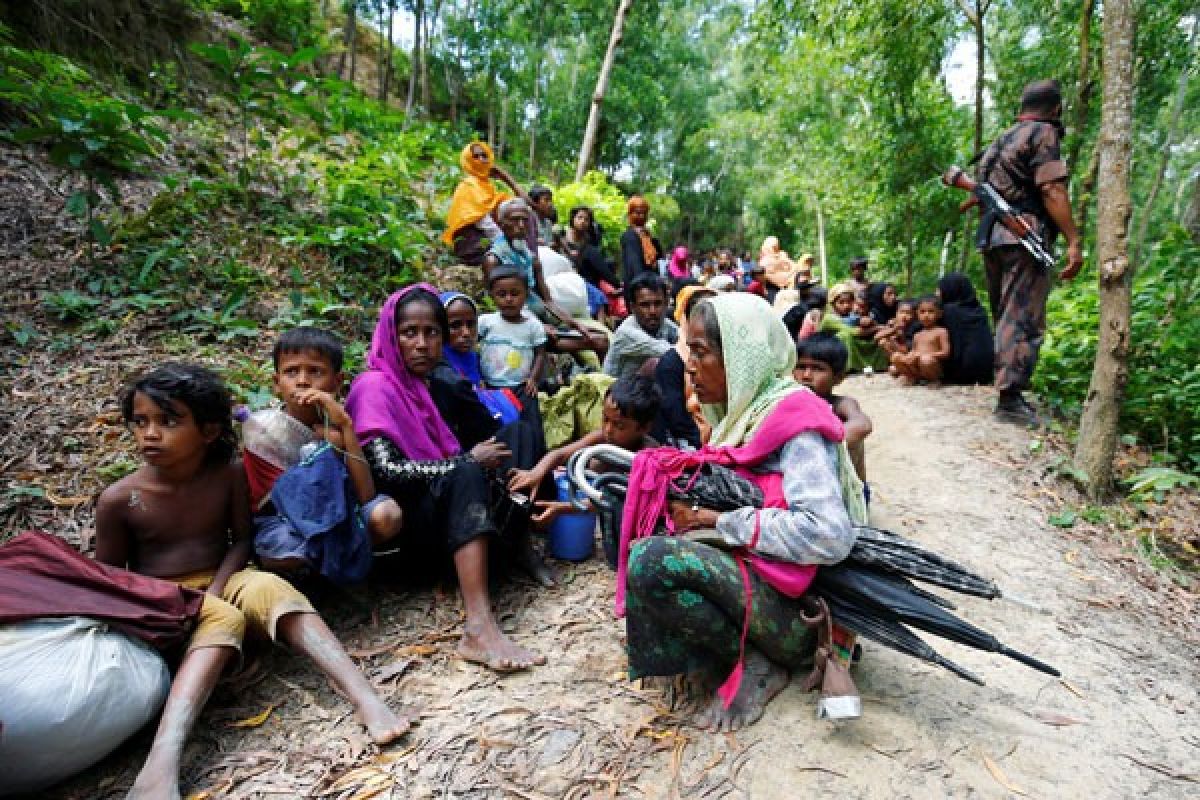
point(1156, 482)
point(1162, 402)
point(603, 197)
point(289, 21)
point(69, 305)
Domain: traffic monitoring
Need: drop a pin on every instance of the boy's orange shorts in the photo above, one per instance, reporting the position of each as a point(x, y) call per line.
point(251, 598)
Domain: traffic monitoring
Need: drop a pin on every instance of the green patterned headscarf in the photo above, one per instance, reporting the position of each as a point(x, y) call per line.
point(759, 355)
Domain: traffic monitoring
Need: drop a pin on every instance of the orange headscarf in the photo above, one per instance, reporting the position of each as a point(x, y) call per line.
point(476, 195)
point(649, 251)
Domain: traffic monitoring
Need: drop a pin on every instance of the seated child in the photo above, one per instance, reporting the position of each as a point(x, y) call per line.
point(930, 347)
point(841, 304)
point(631, 405)
point(866, 323)
point(184, 516)
point(894, 337)
point(821, 365)
point(512, 342)
point(308, 377)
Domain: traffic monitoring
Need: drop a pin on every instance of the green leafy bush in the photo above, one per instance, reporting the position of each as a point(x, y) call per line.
point(1162, 400)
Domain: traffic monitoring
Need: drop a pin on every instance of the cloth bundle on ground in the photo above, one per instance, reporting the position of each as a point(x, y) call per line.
point(318, 519)
point(43, 576)
point(73, 688)
point(575, 410)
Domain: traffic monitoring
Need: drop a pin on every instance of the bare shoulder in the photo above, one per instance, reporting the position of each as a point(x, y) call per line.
point(844, 405)
point(117, 496)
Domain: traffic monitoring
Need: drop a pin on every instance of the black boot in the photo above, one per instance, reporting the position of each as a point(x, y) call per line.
point(1013, 408)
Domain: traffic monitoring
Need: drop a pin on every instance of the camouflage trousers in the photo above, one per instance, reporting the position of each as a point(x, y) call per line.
point(1017, 290)
point(686, 604)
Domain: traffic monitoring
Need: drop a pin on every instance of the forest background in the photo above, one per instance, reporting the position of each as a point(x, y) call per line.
point(226, 168)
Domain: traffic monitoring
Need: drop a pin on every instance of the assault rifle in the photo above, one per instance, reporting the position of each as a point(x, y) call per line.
point(995, 208)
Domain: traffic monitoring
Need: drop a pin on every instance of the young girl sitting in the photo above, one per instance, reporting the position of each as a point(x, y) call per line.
point(896, 336)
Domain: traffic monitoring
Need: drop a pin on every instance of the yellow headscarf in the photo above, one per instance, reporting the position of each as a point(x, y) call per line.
point(476, 195)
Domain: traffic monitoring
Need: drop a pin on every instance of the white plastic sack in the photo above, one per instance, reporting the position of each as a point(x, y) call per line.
point(569, 292)
point(553, 263)
point(71, 690)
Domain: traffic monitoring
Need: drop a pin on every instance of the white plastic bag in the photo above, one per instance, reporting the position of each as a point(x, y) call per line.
point(71, 690)
point(553, 263)
point(569, 292)
point(276, 437)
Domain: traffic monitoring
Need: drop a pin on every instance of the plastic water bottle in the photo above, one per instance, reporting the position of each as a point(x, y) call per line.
point(276, 437)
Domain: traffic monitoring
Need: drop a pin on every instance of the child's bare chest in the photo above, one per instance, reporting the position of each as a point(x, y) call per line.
point(163, 517)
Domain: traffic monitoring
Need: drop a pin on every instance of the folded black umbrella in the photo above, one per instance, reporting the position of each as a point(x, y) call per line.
point(890, 597)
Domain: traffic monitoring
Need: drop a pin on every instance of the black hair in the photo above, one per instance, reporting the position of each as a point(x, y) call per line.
point(503, 271)
point(794, 318)
point(818, 297)
point(200, 390)
point(906, 301)
point(858, 261)
point(825, 347)
point(429, 299)
point(306, 338)
point(636, 397)
point(537, 192)
point(642, 281)
point(593, 228)
point(929, 298)
point(1045, 96)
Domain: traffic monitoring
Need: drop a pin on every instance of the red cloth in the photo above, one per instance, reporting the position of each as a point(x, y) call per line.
point(43, 576)
point(261, 476)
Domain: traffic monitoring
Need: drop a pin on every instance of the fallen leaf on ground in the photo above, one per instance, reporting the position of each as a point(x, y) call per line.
point(1000, 777)
point(1071, 688)
point(1056, 719)
point(256, 720)
point(369, 780)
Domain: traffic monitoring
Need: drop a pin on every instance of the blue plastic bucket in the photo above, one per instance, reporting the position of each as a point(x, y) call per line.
point(572, 536)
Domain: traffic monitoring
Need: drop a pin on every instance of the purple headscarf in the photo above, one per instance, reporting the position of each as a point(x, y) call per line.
point(389, 401)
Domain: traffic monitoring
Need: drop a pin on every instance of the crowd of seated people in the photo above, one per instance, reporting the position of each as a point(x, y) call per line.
point(440, 445)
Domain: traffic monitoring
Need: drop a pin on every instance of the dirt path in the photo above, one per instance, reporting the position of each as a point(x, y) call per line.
point(1123, 724)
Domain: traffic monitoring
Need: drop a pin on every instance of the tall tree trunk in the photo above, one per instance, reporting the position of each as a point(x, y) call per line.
point(382, 55)
point(391, 48)
point(418, 14)
point(821, 240)
point(502, 135)
point(1098, 429)
point(593, 123)
point(352, 34)
point(908, 244)
point(431, 20)
point(1146, 210)
point(1084, 96)
point(976, 14)
point(537, 86)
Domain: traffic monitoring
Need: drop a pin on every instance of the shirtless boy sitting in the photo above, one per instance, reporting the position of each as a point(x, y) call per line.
point(821, 366)
point(630, 408)
point(930, 347)
point(184, 515)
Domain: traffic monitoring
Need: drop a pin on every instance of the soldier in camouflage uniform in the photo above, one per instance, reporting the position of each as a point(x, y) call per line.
point(1024, 166)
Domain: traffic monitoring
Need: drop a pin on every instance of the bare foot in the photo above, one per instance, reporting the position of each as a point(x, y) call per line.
point(383, 725)
point(761, 681)
point(155, 783)
point(488, 646)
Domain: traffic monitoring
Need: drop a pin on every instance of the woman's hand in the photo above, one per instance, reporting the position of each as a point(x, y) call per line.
point(491, 453)
point(550, 510)
point(688, 516)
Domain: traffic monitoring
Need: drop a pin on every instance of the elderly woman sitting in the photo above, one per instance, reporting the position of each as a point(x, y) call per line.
point(686, 596)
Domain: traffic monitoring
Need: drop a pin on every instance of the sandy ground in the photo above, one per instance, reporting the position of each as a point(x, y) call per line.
point(1122, 724)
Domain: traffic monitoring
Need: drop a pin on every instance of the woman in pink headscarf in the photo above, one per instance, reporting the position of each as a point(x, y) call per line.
point(678, 269)
point(450, 502)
